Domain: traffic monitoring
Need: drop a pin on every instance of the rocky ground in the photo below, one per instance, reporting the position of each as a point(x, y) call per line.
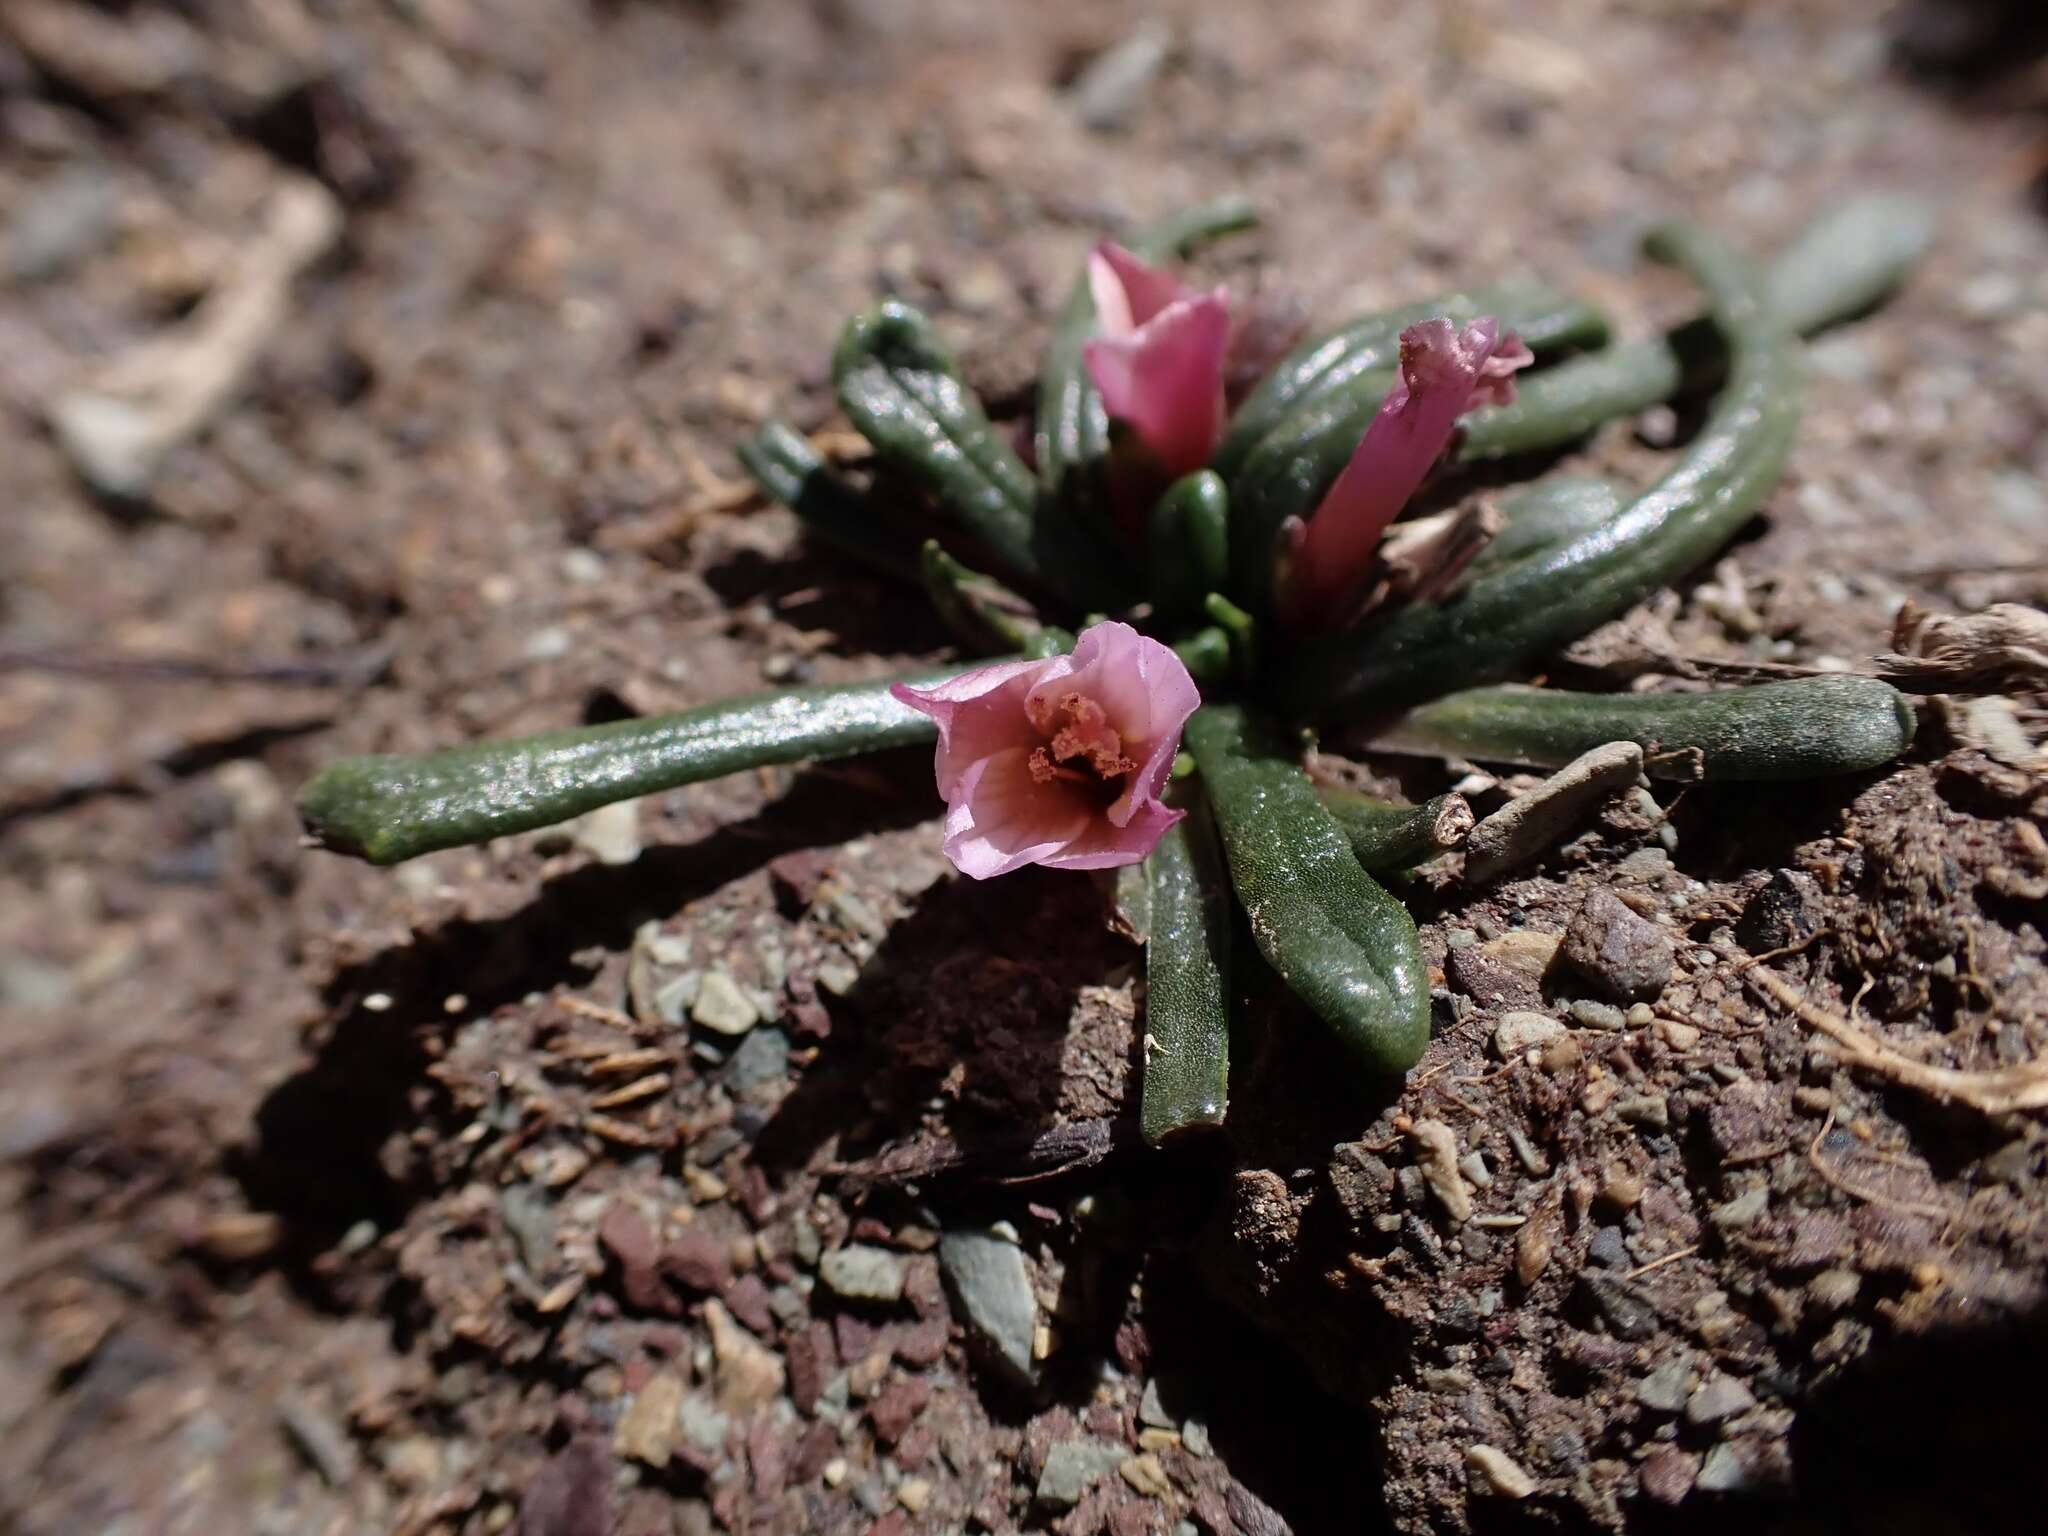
point(370, 376)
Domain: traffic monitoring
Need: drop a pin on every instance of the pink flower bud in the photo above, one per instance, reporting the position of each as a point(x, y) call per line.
point(1158, 363)
point(1059, 762)
point(1445, 372)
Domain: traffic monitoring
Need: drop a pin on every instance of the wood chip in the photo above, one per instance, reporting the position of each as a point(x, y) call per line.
point(632, 1093)
point(1436, 1154)
point(627, 1134)
point(2004, 647)
point(1525, 827)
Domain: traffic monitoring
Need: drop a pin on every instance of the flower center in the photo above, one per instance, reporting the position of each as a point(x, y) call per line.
point(1083, 749)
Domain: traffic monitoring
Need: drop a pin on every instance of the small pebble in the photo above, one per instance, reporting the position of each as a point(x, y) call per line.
point(1518, 1031)
point(1115, 83)
point(1717, 1398)
point(1622, 1187)
point(1533, 1246)
point(1680, 1037)
point(996, 1303)
point(861, 1273)
point(1074, 1466)
point(1607, 1248)
point(1668, 1474)
point(1666, 1388)
point(762, 1059)
point(1595, 1015)
point(1496, 1473)
point(1744, 1210)
point(1652, 1111)
point(320, 1440)
point(722, 1007)
point(1834, 1289)
point(838, 976)
point(610, 834)
point(646, 1431)
point(1152, 1408)
point(1726, 1470)
point(1533, 1162)
point(1147, 1475)
point(1618, 950)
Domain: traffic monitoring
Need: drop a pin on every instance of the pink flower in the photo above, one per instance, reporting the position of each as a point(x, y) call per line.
point(1158, 363)
point(1062, 761)
point(1445, 372)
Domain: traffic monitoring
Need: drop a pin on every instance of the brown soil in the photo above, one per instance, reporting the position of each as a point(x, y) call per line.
point(342, 1199)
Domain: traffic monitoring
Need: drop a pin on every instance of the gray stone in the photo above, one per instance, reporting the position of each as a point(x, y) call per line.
point(1152, 1411)
point(1666, 1388)
point(1717, 1398)
point(1627, 1314)
point(1608, 1249)
point(61, 223)
point(1074, 1466)
point(1618, 950)
point(1591, 1015)
point(991, 1285)
point(529, 1215)
point(702, 1425)
point(861, 1273)
point(762, 1059)
point(1729, 1468)
point(838, 975)
point(1744, 1210)
point(1115, 83)
point(804, 1240)
point(1651, 1111)
point(722, 1007)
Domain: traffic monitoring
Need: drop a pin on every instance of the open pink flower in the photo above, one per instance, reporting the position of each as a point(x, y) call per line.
point(1159, 360)
point(1062, 761)
point(1445, 372)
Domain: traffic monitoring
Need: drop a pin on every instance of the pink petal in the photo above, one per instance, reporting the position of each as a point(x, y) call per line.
point(1127, 291)
point(980, 713)
point(1148, 695)
point(1102, 844)
point(1003, 808)
point(1004, 818)
point(1444, 373)
point(1164, 380)
point(1496, 382)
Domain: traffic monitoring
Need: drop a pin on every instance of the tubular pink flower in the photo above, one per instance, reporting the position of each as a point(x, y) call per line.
point(1158, 363)
point(1059, 762)
point(1445, 372)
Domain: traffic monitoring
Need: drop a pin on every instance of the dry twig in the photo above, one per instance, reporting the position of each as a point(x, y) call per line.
point(2005, 646)
point(1997, 1091)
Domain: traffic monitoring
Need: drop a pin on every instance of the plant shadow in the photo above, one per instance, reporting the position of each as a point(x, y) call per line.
point(318, 1155)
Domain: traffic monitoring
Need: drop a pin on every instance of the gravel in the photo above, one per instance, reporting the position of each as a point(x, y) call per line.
point(991, 1285)
point(861, 1273)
